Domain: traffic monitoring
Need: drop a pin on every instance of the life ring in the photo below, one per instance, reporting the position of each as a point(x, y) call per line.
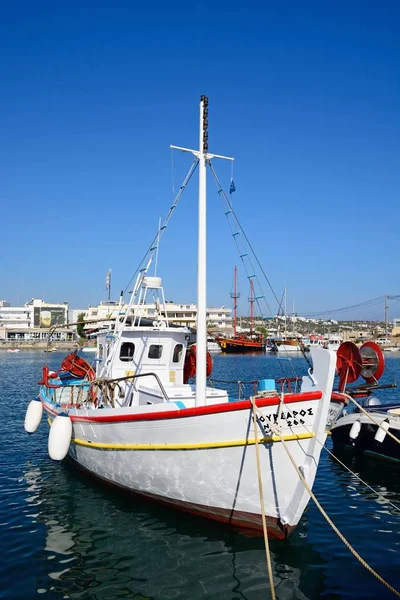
point(189, 368)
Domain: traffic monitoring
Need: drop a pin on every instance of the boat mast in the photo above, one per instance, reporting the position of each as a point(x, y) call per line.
point(234, 296)
point(386, 317)
point(203, 157)
point(201, 341)
point(285, 312)
point(251, 300)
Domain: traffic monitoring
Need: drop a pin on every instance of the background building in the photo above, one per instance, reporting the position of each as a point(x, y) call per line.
point(33, 321)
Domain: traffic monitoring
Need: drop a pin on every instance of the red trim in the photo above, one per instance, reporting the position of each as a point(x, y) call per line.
point(198, 410)
point(338, 397)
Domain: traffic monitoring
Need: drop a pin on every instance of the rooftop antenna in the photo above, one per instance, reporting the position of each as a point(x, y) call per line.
point(108, 283)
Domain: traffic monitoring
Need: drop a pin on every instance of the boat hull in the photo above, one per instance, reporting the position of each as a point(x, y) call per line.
point(238, 346)
point(365, 442)
point(206, 463)
point(247, 523)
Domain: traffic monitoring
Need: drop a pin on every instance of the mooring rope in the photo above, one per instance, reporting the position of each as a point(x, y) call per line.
point(378, 494)
point(383, 581)
point(262, 505)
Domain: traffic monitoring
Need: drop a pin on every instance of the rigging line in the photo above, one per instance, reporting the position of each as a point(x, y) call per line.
point(364, 304)
point(152, 248)
point(173, 173)
point(242, 231)
point(166, 220)
point(378, 494)
point(242, 255)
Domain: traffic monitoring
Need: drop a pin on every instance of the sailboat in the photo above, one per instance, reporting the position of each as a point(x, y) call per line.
point(287, 343)
point(239, 343)
point(138, 421)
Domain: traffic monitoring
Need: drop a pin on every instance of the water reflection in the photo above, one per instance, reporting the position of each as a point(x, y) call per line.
point(382, 476)
point(104, 544)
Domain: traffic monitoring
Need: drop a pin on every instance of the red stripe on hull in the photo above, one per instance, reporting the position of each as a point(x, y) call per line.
point(196, 411)
point(247, 523)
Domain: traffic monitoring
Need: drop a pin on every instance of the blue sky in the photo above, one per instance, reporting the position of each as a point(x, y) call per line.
point(305, 96)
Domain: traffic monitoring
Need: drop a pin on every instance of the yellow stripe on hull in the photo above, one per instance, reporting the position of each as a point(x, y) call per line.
point(203, 446)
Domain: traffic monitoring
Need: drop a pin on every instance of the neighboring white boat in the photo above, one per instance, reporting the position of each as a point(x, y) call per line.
point(288, 348)
point(315, 343)
point(333, 342)
point(212, 345)
point(13, 350)
point(89, 349)
point(138, 422)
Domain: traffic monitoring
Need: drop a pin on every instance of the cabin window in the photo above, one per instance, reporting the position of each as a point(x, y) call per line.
point(127, 351)
point(177, 353)
point(155, 351)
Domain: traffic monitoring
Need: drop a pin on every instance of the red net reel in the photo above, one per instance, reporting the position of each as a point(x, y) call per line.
point(373, 362)
point(348, 364)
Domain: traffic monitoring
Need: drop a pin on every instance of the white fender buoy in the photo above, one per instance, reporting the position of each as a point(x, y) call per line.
point(60, 437)
point(381, 432)
point(355, 430)
point(33, 415)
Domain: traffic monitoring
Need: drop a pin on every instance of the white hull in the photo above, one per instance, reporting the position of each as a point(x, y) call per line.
point(286, 348)
point(213, 347)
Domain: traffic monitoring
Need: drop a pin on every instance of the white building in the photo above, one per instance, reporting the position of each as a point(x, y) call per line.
point(182, 314)
point(33, 321)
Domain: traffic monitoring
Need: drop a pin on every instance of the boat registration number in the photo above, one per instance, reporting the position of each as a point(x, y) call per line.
point(292, 418)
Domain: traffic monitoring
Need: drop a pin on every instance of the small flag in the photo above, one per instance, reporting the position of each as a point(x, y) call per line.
point(108, 279)
point(232, 187)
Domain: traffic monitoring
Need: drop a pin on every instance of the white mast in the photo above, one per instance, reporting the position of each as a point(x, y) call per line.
point(203, 156)
point(201, 341)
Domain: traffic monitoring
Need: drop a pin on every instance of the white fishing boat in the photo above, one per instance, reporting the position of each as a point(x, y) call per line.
point(333, 342)
point(212, 345)
point(13, 350)
point(138, 421)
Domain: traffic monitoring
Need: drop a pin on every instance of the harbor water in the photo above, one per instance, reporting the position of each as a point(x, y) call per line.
point(64, 535)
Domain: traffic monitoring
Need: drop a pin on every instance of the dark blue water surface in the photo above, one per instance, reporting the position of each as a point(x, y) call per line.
point(65, 536)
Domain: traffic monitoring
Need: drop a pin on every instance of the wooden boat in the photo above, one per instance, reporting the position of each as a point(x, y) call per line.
point(239, 343)
point(141, 423)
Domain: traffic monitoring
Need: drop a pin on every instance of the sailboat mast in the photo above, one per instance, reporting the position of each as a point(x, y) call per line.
point(251, 306)
point(386, 317)
point(285, 312)
point(201, 343)
point(234, 303)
